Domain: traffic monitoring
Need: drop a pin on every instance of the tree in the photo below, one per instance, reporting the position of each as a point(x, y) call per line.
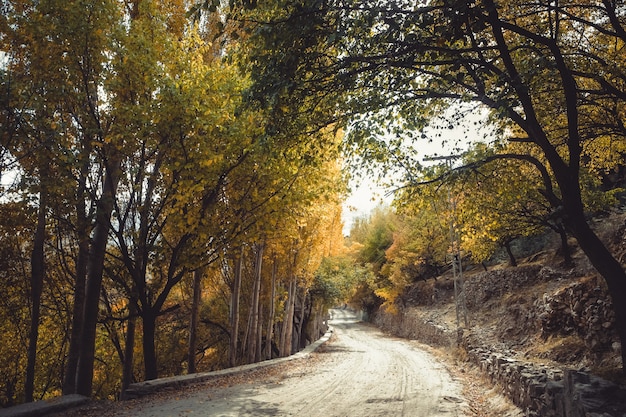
point(499, 202)
point(420, 250)
point(337, 279)
point(137, 163)
point(15, 234)
point(53, 66)
point(554, 73)
point(373, 236)
point(187, 146)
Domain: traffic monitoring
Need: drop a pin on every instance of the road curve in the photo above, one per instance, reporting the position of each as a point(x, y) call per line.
point(360, 372)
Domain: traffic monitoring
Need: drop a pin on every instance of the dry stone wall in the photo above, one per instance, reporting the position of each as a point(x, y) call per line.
point(544, 391)
point(580, 306)
point(409, 325)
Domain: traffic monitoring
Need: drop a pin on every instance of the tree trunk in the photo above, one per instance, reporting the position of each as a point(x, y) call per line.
point(258, 356)
point(246, 335)
point(37, 264)
point(69, 382)
point(283, 327)
point(148, 321)
point(314, 325)
point(84, 371)
point(298, 342)
point(82, 235)
point(193, 322)
point(509, 252)
point(234, 311)
point(254, 306)
point(129, 350)
point(610, 269)
point(269, 335)
point(565, 251)
point(286, 335)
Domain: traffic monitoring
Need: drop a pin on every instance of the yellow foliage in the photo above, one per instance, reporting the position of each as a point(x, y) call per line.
point(390, 295)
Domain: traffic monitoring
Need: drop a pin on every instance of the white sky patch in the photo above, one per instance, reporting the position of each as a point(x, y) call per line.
point(367, 194)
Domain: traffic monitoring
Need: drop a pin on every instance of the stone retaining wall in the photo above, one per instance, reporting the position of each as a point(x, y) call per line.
point(544, 391)
point(411, 326)
point(583, 308)
point(538, 390)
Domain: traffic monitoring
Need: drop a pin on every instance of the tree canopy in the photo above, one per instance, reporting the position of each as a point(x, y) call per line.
point(551, 74)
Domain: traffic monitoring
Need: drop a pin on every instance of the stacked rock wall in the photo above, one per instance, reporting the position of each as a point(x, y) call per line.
point(582, 308)
point(410, 325)
point(544, 391)
point(539, 390)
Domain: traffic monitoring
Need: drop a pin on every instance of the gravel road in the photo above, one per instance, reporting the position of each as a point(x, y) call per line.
point(359, 372)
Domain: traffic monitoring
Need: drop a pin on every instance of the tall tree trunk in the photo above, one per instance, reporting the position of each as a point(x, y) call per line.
point(313, 324)
point(84, 371)
point(129, 349)
point(69, 382)
point(37, 264)
point(82, 232)
point(269, 335)
point(298, 341)
point(246, 335)
point(610, 269)
point(258, 356)
point(286, 335)
point(283, 326)
point(254, 306)
point(148, 321)
point(322, 326)
point(193, 322)
point(234, 311)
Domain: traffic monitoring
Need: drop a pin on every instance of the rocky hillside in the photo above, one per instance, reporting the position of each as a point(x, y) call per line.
point(544, 318)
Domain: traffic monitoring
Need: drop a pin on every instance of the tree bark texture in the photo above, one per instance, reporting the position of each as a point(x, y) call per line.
point(84, 370)
point(270, 319)
point(82, 235)
point(254, 306)
point(37, 265)
point(193, 321)
point(286, 335)
point(509, 252)
point(234, 310)
point(148, 321)
point(129, 350)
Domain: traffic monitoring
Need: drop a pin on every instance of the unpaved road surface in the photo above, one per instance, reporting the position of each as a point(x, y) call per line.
point(359, 372)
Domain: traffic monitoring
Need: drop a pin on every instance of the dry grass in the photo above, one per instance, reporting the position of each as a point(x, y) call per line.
point(483, 398)
point(569, 349)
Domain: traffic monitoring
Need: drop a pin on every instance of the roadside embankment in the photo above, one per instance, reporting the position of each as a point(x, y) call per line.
point(516, 316)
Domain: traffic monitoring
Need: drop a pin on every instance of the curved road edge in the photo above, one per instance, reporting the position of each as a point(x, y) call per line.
point(139, 389)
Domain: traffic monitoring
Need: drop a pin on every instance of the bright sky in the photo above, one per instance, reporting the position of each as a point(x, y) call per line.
point(362, 201)
point(367, 195)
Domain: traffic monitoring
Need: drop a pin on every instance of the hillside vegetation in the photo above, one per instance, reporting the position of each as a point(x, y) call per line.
point(541, 311)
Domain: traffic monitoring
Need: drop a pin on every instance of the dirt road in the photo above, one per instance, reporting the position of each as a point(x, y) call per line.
point(360, 372)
